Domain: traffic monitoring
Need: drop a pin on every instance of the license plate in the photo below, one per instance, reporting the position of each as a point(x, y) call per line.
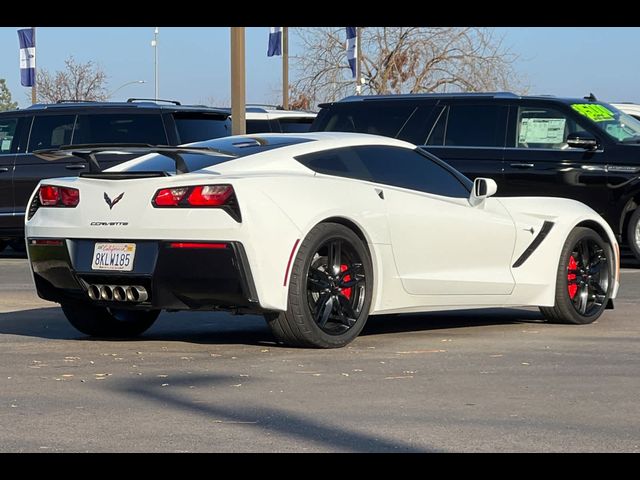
point(113, 256)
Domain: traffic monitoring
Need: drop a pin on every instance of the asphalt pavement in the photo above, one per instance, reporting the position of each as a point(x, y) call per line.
point(473, 381)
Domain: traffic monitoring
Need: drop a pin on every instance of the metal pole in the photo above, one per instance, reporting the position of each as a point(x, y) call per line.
point(358, 70)
point(285, 68)
point(35, 73)
point(238, 123)
point(155, 41)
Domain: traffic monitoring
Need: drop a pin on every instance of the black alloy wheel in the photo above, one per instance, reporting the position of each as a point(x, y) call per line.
point(336, 286)
point(584, 279)
point(588, 276)
point(330, 290)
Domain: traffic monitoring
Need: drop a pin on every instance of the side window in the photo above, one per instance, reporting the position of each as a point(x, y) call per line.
point(7, 132)
point(436, 135)
point(340, 162)
point(395, 166)
point(50, 131)
point(258, 126)
point(196, 127)
point(295, 125)
point(476, 126)
point(542, 127)
point(405, 168)
point(375, 117)
point(120, 128)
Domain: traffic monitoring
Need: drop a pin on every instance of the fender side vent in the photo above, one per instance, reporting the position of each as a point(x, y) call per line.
point(544, 231)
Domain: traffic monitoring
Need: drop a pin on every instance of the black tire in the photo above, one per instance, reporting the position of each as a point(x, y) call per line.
point(633, 233)
point(326, 309)
point(3, 245)
point(106, 322)
point(584, 279)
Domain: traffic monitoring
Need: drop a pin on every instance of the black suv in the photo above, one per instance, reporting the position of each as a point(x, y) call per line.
point(564, 147)
point(45, 126)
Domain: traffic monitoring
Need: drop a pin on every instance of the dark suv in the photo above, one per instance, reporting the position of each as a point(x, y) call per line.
point(73, 123)
point(563, 147)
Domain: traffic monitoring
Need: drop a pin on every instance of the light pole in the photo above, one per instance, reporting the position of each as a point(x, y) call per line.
point(154, 44)
point(124, 85)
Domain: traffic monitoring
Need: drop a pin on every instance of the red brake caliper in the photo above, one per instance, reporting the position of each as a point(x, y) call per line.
point(347, 291)
point(571, 277)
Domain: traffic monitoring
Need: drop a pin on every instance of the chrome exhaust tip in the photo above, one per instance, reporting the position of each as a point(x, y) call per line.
point(119, 294)
point(94, 292)
point(106, 292)
point(137, 294)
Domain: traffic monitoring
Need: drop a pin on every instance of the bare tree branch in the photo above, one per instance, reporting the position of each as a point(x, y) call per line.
point(403, 60)
point(78, 81)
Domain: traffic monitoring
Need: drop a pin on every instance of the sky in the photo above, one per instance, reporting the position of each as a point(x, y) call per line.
point(194, 61)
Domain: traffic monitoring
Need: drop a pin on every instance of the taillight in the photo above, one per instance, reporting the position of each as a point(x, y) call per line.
point(49, 195)
point(52, 196)
point(169, 197)
point(209, 195)
point(199, 196)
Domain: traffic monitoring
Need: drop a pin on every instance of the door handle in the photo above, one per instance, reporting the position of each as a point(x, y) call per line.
point(522, 165)
point(76, 166)
point(4, 169)
point(380, 193)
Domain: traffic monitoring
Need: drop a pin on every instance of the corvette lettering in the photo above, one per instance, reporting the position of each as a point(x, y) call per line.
point(109, 224)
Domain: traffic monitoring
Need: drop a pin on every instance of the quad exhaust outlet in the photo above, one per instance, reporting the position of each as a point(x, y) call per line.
point(118, 293)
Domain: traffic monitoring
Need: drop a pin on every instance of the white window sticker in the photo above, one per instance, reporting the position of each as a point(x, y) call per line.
point(542, 130)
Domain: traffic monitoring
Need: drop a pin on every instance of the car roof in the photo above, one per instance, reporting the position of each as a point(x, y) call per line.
point(273, 111)
point(132, 104)
point(462, 96)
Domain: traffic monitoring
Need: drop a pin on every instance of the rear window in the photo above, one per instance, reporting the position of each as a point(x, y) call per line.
point(234, 147)
point(195, 128)
point(377, 118)
point(160, 163)
point(120, 128)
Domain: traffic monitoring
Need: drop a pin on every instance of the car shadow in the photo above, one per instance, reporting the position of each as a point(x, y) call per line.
point(211, 328)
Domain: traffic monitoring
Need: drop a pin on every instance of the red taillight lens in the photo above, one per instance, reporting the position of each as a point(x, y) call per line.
point(209, 195)
point(198, 196)
point(52, 196)
point(70, 196)
point(49, 195)
point(169, 197)
point(197, 245)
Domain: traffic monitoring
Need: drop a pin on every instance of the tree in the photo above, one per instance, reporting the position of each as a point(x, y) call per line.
point(5, 97)
point(78, 81)
point(404, 60)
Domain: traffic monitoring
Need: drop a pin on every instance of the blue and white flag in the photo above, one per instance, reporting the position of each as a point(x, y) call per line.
point(275, 41)
point(27, 40)
point(352, 47)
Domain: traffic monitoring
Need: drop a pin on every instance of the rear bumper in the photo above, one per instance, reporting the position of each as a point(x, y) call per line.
point(175, 278)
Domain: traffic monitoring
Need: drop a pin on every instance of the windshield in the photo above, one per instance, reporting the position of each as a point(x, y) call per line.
point(616, 124)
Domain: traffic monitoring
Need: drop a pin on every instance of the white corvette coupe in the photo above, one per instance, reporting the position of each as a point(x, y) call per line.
point(316, 231)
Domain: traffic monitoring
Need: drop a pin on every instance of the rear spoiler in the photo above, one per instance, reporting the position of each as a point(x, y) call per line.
point(88, 152)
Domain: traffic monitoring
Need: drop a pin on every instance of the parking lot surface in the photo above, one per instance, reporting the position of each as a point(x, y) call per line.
point(474, 381)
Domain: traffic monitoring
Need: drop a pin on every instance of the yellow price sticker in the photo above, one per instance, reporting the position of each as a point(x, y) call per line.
point(593, 111)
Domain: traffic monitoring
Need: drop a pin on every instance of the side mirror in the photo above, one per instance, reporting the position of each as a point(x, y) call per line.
point(482, 188)
point(582, 140)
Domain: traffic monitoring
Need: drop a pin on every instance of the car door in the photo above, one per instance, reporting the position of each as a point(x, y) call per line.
point(470, 137)
point(46, 131)
point(441, 244)
point(8, 140)
point(538, 161)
